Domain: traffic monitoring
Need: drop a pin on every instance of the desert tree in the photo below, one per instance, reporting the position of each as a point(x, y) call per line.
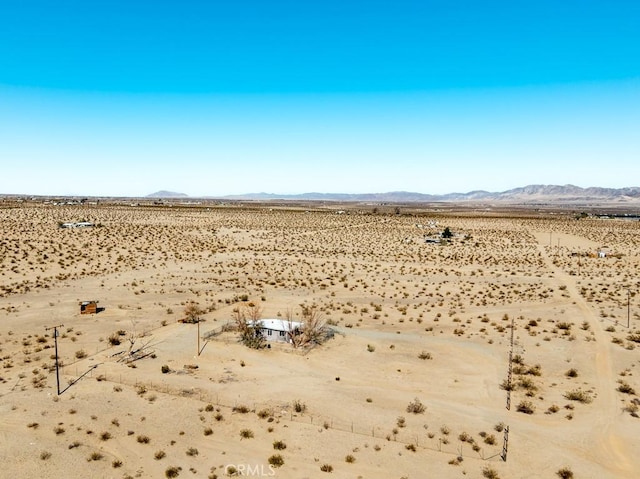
point(313, 329)
point(192, 312)
point(246, 319)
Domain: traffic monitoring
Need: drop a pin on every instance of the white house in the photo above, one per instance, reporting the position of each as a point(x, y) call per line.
point(278, 329)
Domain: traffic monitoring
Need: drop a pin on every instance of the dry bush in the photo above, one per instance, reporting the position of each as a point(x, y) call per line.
point(525, 407)
point(279, 445)
point(565, 473)
point(578, 395)
point(425, 355)
point(276, 460)
point(192, 312)
point(416, 407)
point(626, 388)
point(490, 473)
point(172, 471)
point(192, 451)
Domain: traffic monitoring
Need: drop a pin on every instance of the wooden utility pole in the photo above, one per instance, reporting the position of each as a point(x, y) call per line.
point(55, 341)
point(628, 308)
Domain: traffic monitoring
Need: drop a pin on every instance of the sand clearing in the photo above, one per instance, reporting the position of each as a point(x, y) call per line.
point(413, 384)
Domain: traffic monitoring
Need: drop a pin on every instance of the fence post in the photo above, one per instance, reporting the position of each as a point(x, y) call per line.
point(505, 444)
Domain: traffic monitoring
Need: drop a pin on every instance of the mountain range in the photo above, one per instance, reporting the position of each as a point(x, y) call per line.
point(525, 194)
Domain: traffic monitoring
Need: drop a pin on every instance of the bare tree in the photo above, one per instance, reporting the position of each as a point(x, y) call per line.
point(313, 330)
point(314, 327)
point(293, 332)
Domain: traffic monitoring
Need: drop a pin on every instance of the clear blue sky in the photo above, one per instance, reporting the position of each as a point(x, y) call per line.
point(213, 98)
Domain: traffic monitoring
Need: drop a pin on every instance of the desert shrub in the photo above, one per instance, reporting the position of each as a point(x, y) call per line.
point(81, 354)
point(208, 431)
point(371, 348)
point(159, 455)
point(276, 460)
point(635, 337)
point(114, 339)
point(44, 455)
point(246, 433)
point(534, 370)
point(525, 407)
point(425, 355)
point(527, 383)
point(490, 473)
point(401, 421)
point(95, 456)
point(105, 436)
point(326, 468)
point(192, 451)
point(172, 471)
point(411, 447)
point(506, 385)
point(241, 408)
point(416, 407)
point(490, 439)
point(350, 458)
point(299, 406)
point(165, 369)
point(572, 373)
point(578, 395)
point(143, 439)
point(626, 388)
point(264, 413)
point(279, 445)
point(565, 473)
point(209, 407)
point(116, 463)
point(632, 408)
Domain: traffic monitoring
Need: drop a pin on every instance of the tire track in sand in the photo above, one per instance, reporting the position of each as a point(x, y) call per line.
point(609, 449)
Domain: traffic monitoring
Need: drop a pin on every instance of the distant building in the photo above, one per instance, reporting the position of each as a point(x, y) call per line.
point(278, 329)
point(88, 307)
point(79, 224)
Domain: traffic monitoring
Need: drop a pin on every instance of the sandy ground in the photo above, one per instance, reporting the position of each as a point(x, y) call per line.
point(414, 323)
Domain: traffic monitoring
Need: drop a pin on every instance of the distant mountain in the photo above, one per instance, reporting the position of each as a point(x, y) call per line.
point(167, 194)
point(526, 194)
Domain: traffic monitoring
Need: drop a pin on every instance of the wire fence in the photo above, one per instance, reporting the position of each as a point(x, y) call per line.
point(287, 412)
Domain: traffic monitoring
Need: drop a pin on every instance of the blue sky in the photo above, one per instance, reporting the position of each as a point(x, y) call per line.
point(215, 98)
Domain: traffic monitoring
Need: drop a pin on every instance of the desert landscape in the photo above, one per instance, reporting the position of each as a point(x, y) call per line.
point(505, 349)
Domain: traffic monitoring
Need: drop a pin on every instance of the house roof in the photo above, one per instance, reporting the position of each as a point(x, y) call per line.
point(277, 324)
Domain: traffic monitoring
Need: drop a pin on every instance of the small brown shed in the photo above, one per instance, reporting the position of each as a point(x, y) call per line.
point(88, 307)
